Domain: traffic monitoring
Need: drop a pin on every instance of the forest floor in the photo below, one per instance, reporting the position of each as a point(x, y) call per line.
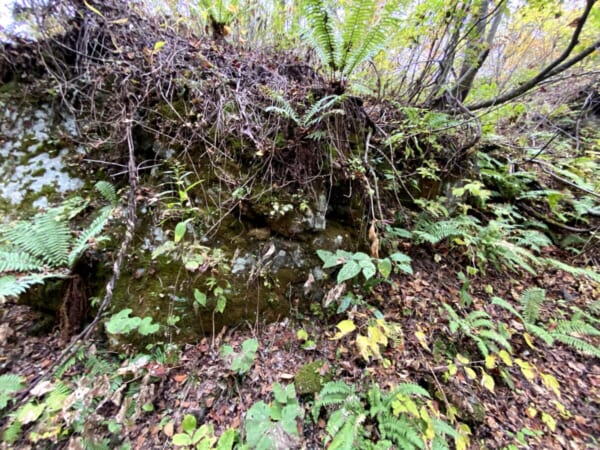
point(202, 383)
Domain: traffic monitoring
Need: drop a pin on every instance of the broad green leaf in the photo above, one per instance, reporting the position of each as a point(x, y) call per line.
point(146, 326)
point(368, 268)
point(182, 439)
point(302, 335)
point(180, 231)
point(29, 412)
point(189, 423)
point(200, 297)
point(226, 440)
point(348, 271)
point(385, 267)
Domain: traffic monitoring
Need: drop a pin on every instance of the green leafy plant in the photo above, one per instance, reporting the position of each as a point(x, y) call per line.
point(34, 251)
point(567, 331)
point(404, 417)
point(353, 264)
point(241, 362)
point(343, 45)
point(313, 115)
point(9, 385)
point(202, 438)
point(122, 323)
point(267, 426)
point(479, 326)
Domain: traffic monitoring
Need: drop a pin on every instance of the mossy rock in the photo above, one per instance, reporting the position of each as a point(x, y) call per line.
point(309, 380)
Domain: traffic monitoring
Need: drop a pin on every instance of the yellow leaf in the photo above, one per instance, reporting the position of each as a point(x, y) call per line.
point(564, 412)
point(452, 369)
point(429, 432)
point(487, 381)
point(122, 21)
point(531, 412)
point(527, 369)
point(462, 439)
point(91, 8)
point(470, 373)
point(549, 421)
point(345, 327)
point(505, 357)
point(158, 45)
point(461, 359)
point(529, 340)
point(376, 336)
point(364, 346)
point(490, 361)
point(404, 404)
point(551, 383)
point(422, 339)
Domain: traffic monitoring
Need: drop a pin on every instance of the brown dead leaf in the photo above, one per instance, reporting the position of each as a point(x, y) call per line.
point(168, 429)
point(180, 377)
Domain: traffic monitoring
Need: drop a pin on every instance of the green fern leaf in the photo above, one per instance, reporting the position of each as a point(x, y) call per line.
point(532, 299)
point(403, 432)
point(82, 243)
point(18, 261)
point(107, 191)
point(321, 34)
point(356, 27)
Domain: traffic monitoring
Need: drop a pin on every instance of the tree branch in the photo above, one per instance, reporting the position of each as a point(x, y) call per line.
point(557, 66)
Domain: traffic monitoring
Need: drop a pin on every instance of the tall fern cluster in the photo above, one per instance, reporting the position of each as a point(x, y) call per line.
point(399, 417)
point(44, 247)
point(501, 244)
point(342, 47)
point(571, 331)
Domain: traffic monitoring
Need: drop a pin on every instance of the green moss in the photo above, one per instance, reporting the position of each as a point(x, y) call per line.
point(309, 380)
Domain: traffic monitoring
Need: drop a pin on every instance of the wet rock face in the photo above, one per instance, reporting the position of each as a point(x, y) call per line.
point(34, 162)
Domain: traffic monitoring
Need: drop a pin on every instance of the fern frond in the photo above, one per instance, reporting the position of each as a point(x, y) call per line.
point(498, 301)
point(17, 261)
point(578, 344)
point(321, 106)
point(321, 34)
point(576, 326)
point(11, 286)
point(403, 432)
point(540, 332)
point(532, 299)
point(285, 108)
point(577, 271)
point(107, 190)
point(411, 389)
point(82, 243)
point(333, 393)
point(356, 27)
point(434, 232)
point(344, 428)
point(45, 237)
point(10, 383)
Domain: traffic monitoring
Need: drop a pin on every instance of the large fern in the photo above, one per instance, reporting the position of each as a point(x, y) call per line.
point(44, 247)
point(342, 47)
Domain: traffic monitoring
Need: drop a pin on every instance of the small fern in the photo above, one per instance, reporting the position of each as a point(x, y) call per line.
point(9, 384)
point(479, 327)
